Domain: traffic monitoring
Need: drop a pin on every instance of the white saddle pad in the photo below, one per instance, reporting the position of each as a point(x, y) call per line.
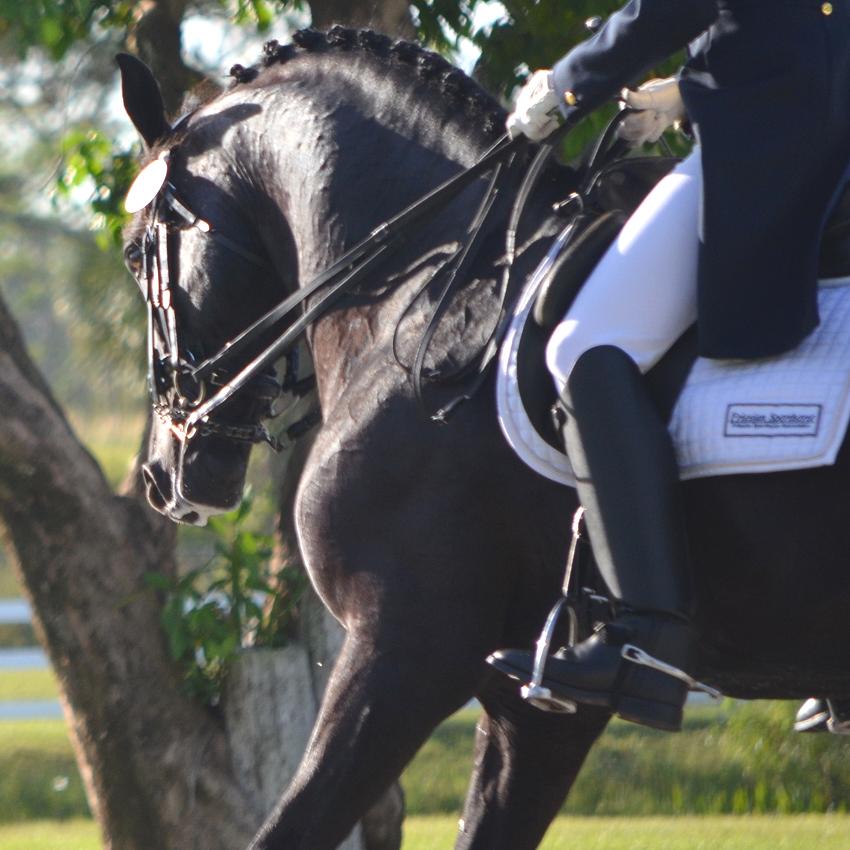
point(779, 413)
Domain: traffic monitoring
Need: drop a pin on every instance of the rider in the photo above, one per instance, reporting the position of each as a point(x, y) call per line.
point(729, 239)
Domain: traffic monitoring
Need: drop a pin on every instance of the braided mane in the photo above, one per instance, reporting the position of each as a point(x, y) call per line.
point(449, 82)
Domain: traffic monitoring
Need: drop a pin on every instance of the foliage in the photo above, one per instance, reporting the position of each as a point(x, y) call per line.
point(57, 25)
point(89, 157)
point(232, 601)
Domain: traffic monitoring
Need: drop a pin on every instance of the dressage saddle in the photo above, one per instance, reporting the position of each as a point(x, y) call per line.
point(611, 196)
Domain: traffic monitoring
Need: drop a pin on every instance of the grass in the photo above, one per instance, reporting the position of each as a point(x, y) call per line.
point(27, 685)
point(9, 587)
point(50, 835)
point(798, 832)
point(736, 758)
point(38, 775)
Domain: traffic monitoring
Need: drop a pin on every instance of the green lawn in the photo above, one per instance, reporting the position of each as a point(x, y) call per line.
point(733, 758)
point(27, 685)
point(754, 832)
point(38, 774)
point(50, 835)
point(9, 586)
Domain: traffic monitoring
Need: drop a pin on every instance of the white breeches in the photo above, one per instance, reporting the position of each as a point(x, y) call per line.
point(642, 295)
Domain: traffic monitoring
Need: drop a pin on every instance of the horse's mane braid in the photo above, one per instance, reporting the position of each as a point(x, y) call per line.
point(430, 67)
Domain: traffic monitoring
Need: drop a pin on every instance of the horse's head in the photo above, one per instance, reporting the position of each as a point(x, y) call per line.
point(196, 247)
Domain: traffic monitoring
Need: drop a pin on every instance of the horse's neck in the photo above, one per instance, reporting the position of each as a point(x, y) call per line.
point(352, 172)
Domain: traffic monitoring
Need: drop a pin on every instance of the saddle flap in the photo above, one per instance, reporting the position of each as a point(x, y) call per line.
point(569, 272)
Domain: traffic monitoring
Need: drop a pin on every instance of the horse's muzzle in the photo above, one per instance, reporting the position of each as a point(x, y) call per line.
point(164, 498)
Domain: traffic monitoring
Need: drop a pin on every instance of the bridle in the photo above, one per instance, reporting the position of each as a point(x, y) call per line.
point(185, 393)
point(175, 384)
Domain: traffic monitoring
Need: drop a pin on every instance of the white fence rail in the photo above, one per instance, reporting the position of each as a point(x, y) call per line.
point(15, 611)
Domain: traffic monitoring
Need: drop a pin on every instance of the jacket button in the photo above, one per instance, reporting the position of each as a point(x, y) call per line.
point(570, 98)
point(826, 8)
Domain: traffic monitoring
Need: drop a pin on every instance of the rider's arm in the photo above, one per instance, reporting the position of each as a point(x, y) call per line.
point(629, 43)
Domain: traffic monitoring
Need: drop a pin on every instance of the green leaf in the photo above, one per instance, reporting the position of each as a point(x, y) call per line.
point(158, 581)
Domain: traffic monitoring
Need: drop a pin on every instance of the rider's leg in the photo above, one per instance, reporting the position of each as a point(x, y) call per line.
point(636, 304)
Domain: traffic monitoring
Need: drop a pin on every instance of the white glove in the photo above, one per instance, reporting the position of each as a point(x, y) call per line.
point(659, 106)
point(536, 112)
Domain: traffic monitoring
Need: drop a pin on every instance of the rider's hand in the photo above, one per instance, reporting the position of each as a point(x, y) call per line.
point(657, 104)
point(536, 112)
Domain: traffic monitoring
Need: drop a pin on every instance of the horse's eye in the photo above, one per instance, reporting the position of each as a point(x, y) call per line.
point(133, 258)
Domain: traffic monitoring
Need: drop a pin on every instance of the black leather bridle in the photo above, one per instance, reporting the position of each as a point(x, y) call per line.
point(175, 385)
point(186, 394)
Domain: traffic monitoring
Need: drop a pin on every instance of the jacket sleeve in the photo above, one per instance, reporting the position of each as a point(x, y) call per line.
point(630, 42)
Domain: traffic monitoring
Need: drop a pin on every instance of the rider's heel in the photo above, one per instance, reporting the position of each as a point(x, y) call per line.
point(666, 715)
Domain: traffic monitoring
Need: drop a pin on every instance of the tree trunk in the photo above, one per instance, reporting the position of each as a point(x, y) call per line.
point(156, 766)
point(156, 39)
point(270, 706)
point(389, 16)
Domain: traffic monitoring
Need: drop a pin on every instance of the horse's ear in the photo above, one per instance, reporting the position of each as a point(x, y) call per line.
point(142, 99)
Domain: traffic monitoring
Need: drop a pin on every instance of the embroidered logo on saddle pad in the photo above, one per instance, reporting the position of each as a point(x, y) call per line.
point(772, 420)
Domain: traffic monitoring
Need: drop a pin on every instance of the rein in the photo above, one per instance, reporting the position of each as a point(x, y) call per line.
point(188, 411)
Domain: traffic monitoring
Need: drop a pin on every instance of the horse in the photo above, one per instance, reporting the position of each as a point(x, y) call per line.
point(433, 545)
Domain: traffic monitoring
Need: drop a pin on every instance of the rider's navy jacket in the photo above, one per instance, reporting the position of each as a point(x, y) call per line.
point(767, 89)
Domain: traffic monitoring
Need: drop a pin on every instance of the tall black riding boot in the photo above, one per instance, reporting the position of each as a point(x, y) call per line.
point(627, 480)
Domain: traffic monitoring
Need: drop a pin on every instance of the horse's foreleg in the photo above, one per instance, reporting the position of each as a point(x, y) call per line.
point(380, 706)
point(526, 761)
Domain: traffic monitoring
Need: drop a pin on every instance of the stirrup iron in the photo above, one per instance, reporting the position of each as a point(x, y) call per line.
point(535, 691)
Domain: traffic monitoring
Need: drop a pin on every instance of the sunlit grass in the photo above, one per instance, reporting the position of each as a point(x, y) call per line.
point(27, 685)
point(733, 758)
point(38, 773)
point(51, 835)
point(9, 587)
point(48, 736)
point(752, 832)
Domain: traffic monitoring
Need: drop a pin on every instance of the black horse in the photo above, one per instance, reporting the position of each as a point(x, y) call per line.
point(433, 545)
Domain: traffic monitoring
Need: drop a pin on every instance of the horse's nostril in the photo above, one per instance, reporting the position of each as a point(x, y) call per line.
point(157, 495)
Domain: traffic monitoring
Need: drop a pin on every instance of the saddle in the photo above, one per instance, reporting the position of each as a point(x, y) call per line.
point(615, 192)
